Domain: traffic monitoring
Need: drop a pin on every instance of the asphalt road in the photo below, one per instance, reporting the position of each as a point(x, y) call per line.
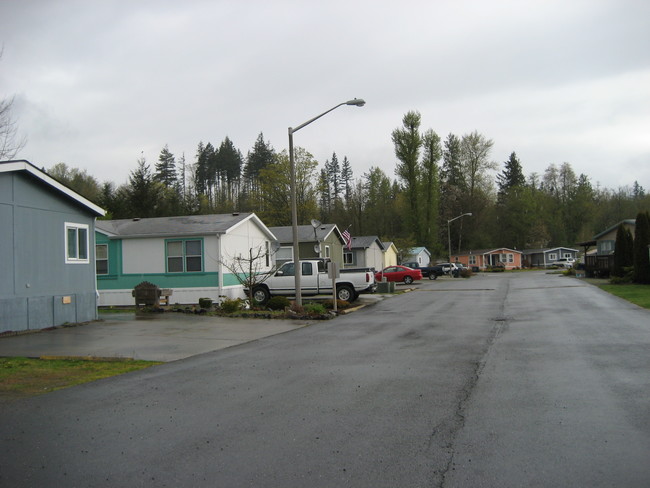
point(507, 380)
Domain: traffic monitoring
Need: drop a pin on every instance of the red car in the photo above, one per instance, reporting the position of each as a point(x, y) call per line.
point(399, 273)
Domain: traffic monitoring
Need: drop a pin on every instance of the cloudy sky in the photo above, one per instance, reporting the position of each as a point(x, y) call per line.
point(99, 83)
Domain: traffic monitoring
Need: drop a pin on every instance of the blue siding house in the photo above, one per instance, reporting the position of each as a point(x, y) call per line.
point(47, 251)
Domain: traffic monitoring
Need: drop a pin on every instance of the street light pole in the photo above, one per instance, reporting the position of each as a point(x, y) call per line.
point(294, 206)
point(469, 214)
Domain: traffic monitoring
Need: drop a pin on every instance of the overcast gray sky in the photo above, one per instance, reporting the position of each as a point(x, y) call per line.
point(98, 83)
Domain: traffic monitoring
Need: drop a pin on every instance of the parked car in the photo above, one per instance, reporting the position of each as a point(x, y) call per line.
point(399, 273)
point(448, 268)
point(315, 281)
point(431, 272)
point(564, 263)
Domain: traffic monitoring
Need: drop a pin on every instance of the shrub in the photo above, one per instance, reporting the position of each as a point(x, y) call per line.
point(232, 305)
point(496, 269)
point(466, 273)
point(340, 304)
point(314, 309)
point(205, 303)
point(278, 303)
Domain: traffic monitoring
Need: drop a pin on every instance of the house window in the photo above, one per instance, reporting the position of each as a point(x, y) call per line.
point(185, 256)
point(76, 243)
point(605, 247)
point(347, 258)
point(284, 254)
point(267, 255)
point(472, 260)
point(327, 252)
point(567, 255)
point(552, 256)
point(101, 259)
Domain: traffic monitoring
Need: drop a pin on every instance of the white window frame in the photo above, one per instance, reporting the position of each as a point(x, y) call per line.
point(348, 257)
point(75, 259)
point(552, 256)
point(472, 259)
point(327, 252)
point(185, 256)
point(97, 259)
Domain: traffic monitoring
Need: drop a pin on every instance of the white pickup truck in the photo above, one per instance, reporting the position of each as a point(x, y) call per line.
point(314, 280)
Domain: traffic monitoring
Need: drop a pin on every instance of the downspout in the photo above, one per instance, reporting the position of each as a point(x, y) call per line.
point(219, 268)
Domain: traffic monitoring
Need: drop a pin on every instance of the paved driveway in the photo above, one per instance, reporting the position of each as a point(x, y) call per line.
point(160, 337)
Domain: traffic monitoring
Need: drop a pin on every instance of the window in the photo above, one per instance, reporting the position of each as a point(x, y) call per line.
point(284, 254)
point(267, 254)
point(76, 243)
point(185, 256)
point(605, 247)
point(472, 260)
point(552, 256)
point(347, 258)
point(101, 259)
point(307, 269)
point(327, 252)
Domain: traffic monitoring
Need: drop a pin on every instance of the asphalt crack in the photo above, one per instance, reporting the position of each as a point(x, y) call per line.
point(449, 428)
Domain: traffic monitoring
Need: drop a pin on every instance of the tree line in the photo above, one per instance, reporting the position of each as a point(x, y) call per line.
point(434, 180)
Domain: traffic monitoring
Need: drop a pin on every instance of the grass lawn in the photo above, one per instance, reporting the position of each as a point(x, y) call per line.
point(22, 377)
point(637, 294)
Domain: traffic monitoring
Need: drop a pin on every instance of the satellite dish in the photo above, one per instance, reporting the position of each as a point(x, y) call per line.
point(317, 248)
point(315, 223)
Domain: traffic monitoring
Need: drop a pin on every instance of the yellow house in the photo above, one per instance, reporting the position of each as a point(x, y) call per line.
point(390, 254)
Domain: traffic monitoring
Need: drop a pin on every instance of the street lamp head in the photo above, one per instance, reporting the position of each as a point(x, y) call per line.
point(359, 102)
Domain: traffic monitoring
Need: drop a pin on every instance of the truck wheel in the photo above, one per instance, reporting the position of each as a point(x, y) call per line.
point(432, 276)
point(261, 295)
point(345, 293)
point(408, 280)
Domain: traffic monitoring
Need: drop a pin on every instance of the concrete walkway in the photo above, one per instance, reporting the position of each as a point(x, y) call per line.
point(158, 337)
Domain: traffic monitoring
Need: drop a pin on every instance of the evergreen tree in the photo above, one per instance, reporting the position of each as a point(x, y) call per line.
point(142, 191)
point(325, 199)
point(346, 177)
point(641, 242)
point(259, 158)
point(226, 165)
point(166, 168)
point(511, 177)
point(333, 169)
point(378, 206)
point(623, 251)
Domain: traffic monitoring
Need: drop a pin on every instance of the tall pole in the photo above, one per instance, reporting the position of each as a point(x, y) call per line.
point(469, 214)
point(297, 269)
point(294, 205)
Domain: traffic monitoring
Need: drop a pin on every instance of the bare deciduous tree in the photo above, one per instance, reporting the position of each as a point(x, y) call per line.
point(252, 270)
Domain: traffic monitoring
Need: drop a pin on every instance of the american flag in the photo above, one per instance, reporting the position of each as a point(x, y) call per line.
point(348, 239)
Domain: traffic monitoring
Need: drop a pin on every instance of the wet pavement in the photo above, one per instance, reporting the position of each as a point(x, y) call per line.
point(157, 337)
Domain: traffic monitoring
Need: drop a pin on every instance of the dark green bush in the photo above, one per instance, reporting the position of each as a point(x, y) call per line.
point(466, 273)
point(278, 303)
point(205, 303)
